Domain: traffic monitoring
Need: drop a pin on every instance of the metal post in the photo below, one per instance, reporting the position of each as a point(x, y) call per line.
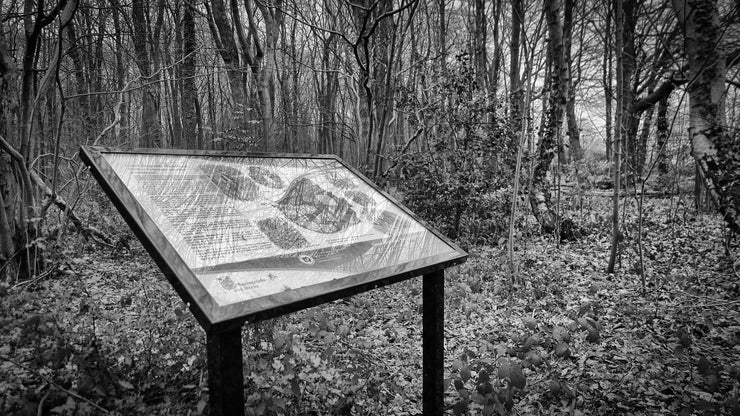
point(225, 373)
point(433, 343)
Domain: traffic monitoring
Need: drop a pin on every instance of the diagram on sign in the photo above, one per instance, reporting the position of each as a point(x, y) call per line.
point(252, 227)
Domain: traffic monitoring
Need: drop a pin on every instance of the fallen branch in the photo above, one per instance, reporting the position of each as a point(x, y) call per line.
point(85, 230)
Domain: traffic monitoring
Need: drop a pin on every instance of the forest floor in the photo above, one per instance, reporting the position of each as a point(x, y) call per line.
point(104, 333)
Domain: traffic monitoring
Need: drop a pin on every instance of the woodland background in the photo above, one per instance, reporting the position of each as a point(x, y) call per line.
point(512, 126)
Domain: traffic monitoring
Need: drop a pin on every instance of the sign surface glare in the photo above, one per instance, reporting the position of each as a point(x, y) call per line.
point(250, 228)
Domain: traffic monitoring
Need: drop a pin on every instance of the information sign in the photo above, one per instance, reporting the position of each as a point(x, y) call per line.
point(250, 236)
point(245, 237)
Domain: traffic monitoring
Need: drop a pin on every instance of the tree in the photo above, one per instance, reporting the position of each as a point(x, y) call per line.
point(574, 136)
point(20, 221)
point(192, 137)
point(262, 62)
point(516, 92)
point(478, 42)
point(622, 121)
point(539, 196)
point(716, 152)
point(147, 62)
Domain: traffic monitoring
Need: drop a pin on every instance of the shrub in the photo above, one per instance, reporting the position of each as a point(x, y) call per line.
point(458, 180)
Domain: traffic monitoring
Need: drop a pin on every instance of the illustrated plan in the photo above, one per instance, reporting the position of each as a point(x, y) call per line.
point(250, 227)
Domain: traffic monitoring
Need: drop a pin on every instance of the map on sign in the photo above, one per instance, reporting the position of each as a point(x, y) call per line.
point(250, 227)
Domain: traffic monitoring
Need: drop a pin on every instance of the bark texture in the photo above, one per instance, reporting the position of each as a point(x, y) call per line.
point(717, 154)
point(539, 196)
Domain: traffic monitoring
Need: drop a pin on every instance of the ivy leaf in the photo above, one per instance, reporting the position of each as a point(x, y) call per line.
point(460, 408)
point(703, 365)
point(530, 323)
point(465, 373)
point(593, 335)
point(295, 387)
point(504, 370)
point(518, 379)
point(561, 334)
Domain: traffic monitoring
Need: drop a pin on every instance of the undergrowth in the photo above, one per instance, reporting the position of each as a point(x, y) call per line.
point(104, 333)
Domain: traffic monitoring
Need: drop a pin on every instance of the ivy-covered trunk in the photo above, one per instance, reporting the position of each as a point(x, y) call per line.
point(717, 154)
point(539, 194)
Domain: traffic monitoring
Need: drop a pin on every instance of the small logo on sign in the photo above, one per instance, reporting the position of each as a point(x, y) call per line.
point(306, 259)
point(227, 283)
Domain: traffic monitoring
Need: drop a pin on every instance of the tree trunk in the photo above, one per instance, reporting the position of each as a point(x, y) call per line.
point(713, 148)
point(149, 136)
point(385, 39)
point(539, 197)
point(327, 84)
point(495, 72)
point(223, 34)
point(442, 35)
point(262, 62)
point(478, 43)
point(609, 92)
point(574, 135)
point(119, 136)
point(623, 89)
point(190, 107)
point(661, 127)
point(7, 248)
point(627, 92)
point(642, 142)
point(515, 84)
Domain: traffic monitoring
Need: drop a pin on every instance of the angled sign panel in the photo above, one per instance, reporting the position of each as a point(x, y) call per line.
point(249, 236)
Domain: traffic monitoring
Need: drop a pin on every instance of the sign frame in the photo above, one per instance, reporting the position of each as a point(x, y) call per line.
point(222, 323)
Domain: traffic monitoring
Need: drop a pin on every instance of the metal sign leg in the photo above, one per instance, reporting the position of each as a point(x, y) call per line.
point(433, 343)
point(225, 372)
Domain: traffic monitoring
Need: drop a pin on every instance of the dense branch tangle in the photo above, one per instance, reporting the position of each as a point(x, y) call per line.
point(377, 82)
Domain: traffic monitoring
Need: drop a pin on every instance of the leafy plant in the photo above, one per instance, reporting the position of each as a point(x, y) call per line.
point(460, 182)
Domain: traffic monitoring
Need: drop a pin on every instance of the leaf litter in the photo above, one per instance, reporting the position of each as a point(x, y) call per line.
point(106, 331)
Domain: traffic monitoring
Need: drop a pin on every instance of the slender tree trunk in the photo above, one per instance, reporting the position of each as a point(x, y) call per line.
point(479, 40)
point(8, 188)
point(516, 93)
point(621, 122)
point(661, 127)
point(7, 248)
point(442, 35)
point(263, 63)
point(120, 73)
point(607, 81)
point(223, 33)
point(81, 81)
point(191, 118)
point(327, 82)
point(647, 121)
point(386, 38)
point(574, 135)
point(149, 134)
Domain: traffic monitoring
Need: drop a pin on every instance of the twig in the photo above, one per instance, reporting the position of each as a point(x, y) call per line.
point(708, 305)
point(718, 303)
point(52, 383)
point(36, 279)
point(40, 409)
